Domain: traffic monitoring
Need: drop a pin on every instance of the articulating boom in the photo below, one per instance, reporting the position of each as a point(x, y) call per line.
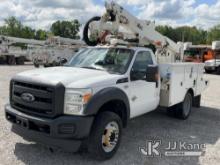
point(118, 26)
point(5, 40)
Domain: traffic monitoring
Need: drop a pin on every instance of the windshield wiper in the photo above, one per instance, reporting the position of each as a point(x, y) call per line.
point(90, 67)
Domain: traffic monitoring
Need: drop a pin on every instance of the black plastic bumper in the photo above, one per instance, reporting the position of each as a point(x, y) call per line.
point(65, 132)
point(210, 68)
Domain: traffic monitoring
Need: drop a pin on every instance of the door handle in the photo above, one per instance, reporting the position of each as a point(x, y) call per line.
point(134, 98)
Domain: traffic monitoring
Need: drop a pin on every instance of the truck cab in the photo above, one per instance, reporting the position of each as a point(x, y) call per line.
point(60, 106)
point(213, 65)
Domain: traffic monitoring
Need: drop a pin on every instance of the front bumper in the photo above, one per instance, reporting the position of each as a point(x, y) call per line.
point(65, 132)
point(211, 68)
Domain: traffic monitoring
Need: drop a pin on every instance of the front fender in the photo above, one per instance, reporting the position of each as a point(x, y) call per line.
point(104, 96)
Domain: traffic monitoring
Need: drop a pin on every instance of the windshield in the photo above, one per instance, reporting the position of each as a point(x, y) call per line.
point(192, 53)
point(217, 54)
point(112, 60)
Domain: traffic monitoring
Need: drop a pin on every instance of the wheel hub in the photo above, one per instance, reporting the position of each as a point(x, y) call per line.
point(110, 136)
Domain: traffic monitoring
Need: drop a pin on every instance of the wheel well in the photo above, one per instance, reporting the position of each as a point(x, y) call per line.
point(118, 107)
point(191, 92)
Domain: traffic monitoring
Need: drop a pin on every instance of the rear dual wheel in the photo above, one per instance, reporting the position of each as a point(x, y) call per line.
point(11, 60)
point(2, 60)
point(20, 60)
point(182, 110)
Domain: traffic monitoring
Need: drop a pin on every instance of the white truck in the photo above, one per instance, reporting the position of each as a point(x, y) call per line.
point(11, 54)
point(51, 52)
point(91, 99)
point(214, 64)
point(54, 51)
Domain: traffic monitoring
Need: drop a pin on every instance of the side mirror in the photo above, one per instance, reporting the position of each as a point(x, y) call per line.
point(152, 74)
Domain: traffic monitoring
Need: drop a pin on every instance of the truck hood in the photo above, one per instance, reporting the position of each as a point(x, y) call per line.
point(209, 61)
point(70, 77)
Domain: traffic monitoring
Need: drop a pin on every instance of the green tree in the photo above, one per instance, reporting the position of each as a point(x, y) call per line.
point(13, 27)
point(27, 32)
point(40, 35)
point(68, 29)
point(166, 30)
point(184, 34)
point(169, 32)
point(3, 30)
point(213, 34)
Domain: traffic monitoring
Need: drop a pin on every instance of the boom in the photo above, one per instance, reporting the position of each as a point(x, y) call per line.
point(119, 24)
point(5, 40)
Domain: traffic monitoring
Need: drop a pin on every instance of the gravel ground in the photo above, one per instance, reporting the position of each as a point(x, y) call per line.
point(202, 127)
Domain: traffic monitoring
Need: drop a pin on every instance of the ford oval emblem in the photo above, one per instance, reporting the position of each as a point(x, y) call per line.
point(27, 97)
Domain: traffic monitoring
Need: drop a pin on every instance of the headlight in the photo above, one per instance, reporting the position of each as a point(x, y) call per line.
point(75, 100)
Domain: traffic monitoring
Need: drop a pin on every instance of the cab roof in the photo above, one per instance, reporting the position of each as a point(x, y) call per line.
point(135, 48)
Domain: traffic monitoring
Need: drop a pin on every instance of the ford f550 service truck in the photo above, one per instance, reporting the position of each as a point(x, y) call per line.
point(92, 98)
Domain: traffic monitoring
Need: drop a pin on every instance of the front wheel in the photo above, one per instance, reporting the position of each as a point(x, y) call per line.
point(106, 135)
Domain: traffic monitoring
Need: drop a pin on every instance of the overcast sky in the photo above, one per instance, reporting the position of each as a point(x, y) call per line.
point(41, 13)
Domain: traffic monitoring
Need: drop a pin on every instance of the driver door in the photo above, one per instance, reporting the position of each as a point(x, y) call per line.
point(144, 96)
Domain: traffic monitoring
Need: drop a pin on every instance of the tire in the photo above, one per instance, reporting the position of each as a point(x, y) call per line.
point(182, 110)
point(197, 101)
point(11, 60)
point(171, 111)
point(208, 71)
point(54, 63)
point(36, 64)
point(2, 60)
point(20, 60)
point(218, 70)
point(86, 32)
point(46, 65)
point(104, 150)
